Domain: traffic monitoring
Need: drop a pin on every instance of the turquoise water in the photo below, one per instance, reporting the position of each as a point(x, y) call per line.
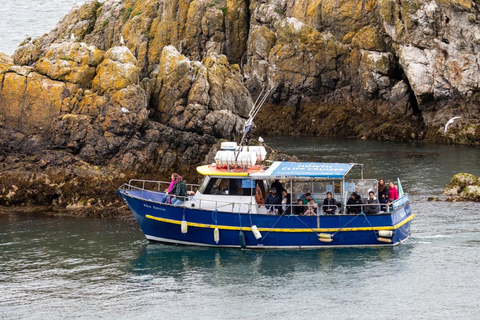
point(61, 267)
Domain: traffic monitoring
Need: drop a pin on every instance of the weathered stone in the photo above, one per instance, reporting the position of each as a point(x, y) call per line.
point(70, 61)
point(117, 71)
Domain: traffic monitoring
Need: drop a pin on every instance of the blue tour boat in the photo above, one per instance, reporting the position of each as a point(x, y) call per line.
point(228, 210)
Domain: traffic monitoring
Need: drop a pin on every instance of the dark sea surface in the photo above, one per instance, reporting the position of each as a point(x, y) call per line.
point(20, 19)
point(63, 267)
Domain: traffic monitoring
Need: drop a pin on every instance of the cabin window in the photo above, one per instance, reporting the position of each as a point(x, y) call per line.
point(204, 184)
point(225, 186)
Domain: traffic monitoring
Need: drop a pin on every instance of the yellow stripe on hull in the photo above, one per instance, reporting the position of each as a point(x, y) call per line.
point(202, 225)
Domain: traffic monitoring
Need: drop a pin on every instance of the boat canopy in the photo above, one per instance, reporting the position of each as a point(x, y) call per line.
point(282, 170)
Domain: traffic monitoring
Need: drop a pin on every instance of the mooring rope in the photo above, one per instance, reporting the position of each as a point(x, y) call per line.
point(272, 227)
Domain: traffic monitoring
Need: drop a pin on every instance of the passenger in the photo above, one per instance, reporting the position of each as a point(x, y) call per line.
point(382, 193)
point(278, 185)
point(285, 208)
point(354, 204)
point(271, 200)
point(171, 189)
point(311, 208)
point(392, 192)
point(299, 209)
point(307, 191)
point(372, 204)
point(180, 192)
point(329, 204)
point(307, 199)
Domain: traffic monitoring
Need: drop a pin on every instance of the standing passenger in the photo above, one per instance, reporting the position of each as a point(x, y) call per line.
point(382, 193)
point(392, 192)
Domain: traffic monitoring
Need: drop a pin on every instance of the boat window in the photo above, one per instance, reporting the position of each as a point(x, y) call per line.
point(318, 189)
point(225, 186)
point(362, 187)
point(204, 184)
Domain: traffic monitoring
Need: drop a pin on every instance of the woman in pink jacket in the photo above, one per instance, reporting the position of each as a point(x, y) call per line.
point(392, 192)
point(171, 188)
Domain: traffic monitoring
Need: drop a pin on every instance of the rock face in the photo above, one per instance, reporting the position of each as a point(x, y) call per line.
point(464, 186)
point(183, 77)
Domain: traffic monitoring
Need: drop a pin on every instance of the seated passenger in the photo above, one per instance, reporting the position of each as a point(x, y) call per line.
point(354, 204)
point(171, 189)
point(308, 198)
point(180, 192)
point(311, 208)
point(329, 204)
point(285, 208)
point(271, 200)
point(372, 204)
point(299, 209)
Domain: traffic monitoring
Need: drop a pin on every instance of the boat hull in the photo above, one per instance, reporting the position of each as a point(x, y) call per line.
point(162, 222)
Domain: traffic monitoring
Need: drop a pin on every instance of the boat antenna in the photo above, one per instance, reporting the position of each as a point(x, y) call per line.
point(253, 113)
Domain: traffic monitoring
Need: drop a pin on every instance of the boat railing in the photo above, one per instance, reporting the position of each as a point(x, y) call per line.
point(159, 186)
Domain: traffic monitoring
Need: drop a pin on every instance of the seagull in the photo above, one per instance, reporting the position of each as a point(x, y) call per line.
point(260, 139)
point(122, 41)
point(450, 122)
point(72, 37)
point(125, 110)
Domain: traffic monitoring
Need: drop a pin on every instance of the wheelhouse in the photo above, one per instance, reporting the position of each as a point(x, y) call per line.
point(237, 190)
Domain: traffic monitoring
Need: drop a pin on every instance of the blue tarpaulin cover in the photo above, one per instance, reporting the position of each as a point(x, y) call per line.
point(306, 170)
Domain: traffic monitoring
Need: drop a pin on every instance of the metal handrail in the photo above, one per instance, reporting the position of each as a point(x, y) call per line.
point(221, 204)
point(159, 183)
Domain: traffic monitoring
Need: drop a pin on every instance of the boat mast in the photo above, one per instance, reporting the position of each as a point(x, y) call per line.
point(253, 113)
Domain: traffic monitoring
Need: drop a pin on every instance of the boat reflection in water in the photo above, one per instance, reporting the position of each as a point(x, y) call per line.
point(180, 262)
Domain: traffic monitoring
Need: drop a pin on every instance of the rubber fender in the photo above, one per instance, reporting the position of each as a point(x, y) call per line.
point(216, 235)
point(184, 226)
point(241, 239)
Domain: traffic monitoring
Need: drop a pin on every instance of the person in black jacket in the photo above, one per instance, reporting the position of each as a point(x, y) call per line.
point(329, 204)
point(271, 200)
point(354, 204)
point(299, 208)
point(382, 193)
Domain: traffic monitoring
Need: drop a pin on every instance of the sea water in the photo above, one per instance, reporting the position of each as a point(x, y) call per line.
point(64, 267)
point(20, 19)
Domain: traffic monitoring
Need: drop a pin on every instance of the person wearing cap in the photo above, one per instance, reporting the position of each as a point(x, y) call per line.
point(354, 204)
point(271, 200)
point(372, 204)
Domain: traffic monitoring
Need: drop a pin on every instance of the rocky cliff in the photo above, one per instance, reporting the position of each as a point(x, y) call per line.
point(148, 86)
